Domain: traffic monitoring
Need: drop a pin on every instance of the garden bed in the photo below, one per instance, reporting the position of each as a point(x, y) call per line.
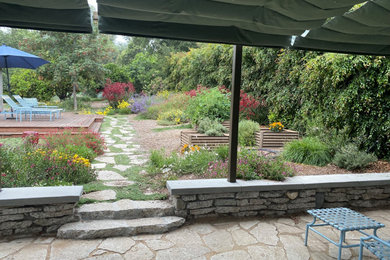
point(193, 137)
point(266, 138)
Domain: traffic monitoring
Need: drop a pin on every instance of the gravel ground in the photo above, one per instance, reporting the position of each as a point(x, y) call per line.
point(170, 141)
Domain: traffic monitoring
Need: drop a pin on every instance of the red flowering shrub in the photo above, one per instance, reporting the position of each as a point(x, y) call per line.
point(31, 138)
point(117, 91)
point(193, 92)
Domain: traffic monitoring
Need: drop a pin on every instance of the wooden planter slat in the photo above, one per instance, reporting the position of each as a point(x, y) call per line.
point(266, 138)
point(192, 137)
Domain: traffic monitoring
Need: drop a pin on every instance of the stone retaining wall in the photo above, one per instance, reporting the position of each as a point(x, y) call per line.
point(263, 198)
point(37, 210)
point(39, 219)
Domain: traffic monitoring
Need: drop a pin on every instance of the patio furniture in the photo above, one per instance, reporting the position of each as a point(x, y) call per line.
point(375, 245)
point(33, 103)
point(20, 110)
point(344, 220)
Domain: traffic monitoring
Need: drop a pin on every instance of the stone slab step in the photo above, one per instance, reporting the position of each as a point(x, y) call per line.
point(91, 229)
point(126, 209)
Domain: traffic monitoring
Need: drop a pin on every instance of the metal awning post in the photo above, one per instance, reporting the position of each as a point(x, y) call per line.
point(234, 112)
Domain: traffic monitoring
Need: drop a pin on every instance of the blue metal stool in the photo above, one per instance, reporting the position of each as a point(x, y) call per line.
point(344, 220)
point(375, 245)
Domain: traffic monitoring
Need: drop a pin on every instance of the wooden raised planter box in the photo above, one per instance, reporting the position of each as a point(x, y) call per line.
point(265, 138)
point(192, 137)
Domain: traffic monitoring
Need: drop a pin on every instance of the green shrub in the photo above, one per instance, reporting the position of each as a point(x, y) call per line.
point(68, 104)
point(174, 102)
point(222, 152)
point(309, 150)
point(176, 116)
point(211, 127)
point(251, 166)
point(246, 132)
point(27, 83)
point(211, 103)
point(81, 150)
point(349, 157)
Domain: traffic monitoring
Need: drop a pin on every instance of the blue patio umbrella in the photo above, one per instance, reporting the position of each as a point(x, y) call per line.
point(14, 58)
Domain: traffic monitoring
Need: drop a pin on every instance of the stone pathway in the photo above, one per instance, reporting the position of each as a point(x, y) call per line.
point(119, 137)
point(274, 238)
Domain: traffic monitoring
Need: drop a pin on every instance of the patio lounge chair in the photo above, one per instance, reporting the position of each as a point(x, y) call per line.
point(21, 110)
point(375, 245)
point(33, 103)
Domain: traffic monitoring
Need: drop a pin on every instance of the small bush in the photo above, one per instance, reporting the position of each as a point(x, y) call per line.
point(211, 103)
point(246, 132)
point(175, 116)
point(349, 157)
point(81, 150)
point(211, 127)
point(309, 150)
point(222, 152)
point(251, 166)
point(115, 92)
point(176, 101)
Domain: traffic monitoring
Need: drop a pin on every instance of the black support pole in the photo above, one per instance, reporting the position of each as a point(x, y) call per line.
point(234, 112)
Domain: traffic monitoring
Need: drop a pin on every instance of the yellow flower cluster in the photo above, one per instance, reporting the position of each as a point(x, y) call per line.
point(56, 155)
point(172, 115)
point(163, 94)
point(86, 112)
point(123, 104)
point(276, 127)
point(189, 148)
point(105, 112)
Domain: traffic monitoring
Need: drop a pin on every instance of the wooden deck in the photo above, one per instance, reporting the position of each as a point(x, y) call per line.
point(68, 121)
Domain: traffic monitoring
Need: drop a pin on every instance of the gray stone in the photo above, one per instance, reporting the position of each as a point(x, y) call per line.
point(181, 213)
point(126, 209)
point(44, 240)
point(245, 214)
point(98, 165)
point(147, 237)
point(179, 204)
point(188, 197)
point(185, 252)
point(278, 200)
point(247, 224)
point(219, 241)
point(117, 245)
point(215, 196)
point(199, 204)
point(158, 244)
point(50, 214)
point(244, 202)
point(121, 146)
point(60, 207)
point(15, 224)
point(265, 233)
point(233, 255)
point(283, 228)
point(110, 176)
point(271, 194)
point(253, 207)
point(119, 183)
point(226, 209)
point(243, 238)
point(181, 237)
point(28, 231)
point(5, 218)
point(277, 206)
point(100, 195)
point(294, 247)
point(33, 251)
point(110, 228)
point(302, 206)
point(247, 195)
point(334, 252)
point(10, 247)
point(71, 249)
point(356, 192)
point(202, 228)
point(376, 196)
point(257, 201)
point(304, 200)
point(225, 202)
point(111, 256)
point(307, 193)
point(104, 159)
point(292, 195)
point(9, 211)
point(54, 221)
point(122, 167)
point(264, 252)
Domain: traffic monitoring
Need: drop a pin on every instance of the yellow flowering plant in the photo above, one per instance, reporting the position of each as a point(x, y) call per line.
point(189, 148)
point(276, 127)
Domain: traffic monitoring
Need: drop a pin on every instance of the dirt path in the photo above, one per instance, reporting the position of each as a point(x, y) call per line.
point(151, 140)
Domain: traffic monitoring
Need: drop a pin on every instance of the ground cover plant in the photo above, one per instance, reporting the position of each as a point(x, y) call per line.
point(309, 150)
point(55, 161)
point(349, 157)
point(211, 127)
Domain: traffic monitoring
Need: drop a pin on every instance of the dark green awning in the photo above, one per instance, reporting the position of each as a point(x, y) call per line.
point(65, 15)
point(297, 24)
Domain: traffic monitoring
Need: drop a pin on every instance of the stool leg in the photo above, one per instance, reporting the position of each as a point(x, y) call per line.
point(361, 250)
point(342, 238)
point(307, 230)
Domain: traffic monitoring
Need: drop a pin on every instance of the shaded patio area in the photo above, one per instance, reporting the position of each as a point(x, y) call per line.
point(42, 125)
point(266, 238)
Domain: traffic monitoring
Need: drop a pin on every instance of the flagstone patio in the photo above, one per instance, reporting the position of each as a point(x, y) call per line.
point(272, 238)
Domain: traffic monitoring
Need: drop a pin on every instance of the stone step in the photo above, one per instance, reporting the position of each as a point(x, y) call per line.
point(126, 209)
point(90, 229)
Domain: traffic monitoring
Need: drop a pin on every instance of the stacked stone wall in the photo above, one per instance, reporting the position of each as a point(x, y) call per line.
point(39, 219)
point(279, 202)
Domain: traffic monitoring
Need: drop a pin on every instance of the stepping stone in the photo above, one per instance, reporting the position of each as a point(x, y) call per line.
point(126, 209)
point(105, 159)
point(114, 228)
point(98, 165)
point(122, 167)
point(120, 146)
point(119, 183)
point(110, 176)
point(100, 195)
point(125, 138)
point(139, 161)
point(129, 150)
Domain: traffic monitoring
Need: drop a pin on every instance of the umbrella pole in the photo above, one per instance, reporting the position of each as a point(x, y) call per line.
point(6, 68)
point(1, 89)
